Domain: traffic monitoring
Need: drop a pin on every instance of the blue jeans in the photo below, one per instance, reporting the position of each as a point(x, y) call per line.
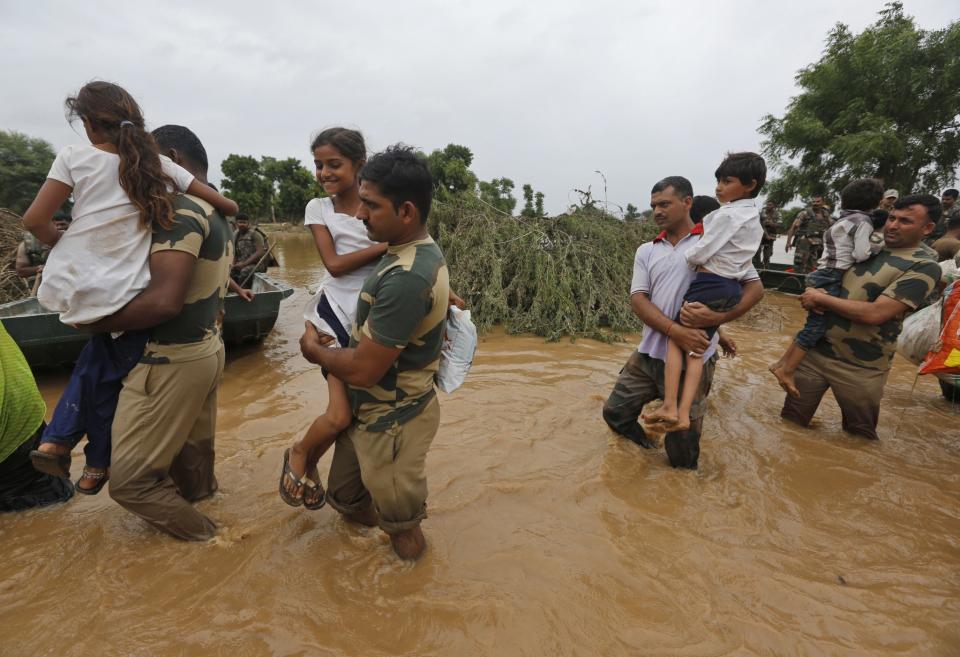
point(830, 280)
point(89, 401)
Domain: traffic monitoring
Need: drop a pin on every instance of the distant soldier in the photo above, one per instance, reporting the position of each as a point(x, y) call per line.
point(771, 221)
point(889, 198)
point(249, 247)
point(806, 234)
point(32, 253)
point(950, 210)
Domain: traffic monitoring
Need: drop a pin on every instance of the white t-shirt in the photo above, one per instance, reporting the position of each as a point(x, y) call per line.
point(349, 235)
point(102, 261)
point(731, 237)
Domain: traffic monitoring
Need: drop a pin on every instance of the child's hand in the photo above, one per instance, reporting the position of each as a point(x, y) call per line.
point(325, 339)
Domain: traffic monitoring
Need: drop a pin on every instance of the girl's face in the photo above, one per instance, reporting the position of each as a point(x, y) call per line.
point(335, 173)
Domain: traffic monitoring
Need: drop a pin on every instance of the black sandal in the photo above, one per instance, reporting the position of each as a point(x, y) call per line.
point(100, 477)
point(310, 488)
point(57, 465)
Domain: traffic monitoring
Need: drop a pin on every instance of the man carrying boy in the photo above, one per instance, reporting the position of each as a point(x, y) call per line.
point(163, 430)
point(377, 475)
point(661, 277)
point(853, 358)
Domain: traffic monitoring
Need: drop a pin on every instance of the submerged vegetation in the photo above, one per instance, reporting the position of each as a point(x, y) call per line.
point(550, 276)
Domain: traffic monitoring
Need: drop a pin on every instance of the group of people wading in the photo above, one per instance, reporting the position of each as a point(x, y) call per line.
point(153, 236)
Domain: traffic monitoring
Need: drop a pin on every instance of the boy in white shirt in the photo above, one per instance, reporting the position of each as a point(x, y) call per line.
point(722, 257)
point(847, 242)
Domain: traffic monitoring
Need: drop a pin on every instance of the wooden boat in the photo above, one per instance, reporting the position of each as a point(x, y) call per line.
point(779, 279)
point(47, 343)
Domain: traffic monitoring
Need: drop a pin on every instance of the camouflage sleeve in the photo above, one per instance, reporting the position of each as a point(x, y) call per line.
point(258, 241)
point(401, 301)
point(187, 233)
point(915, 285)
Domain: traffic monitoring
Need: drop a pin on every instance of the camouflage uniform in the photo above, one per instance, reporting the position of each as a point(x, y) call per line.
point(36, 252)
point(808, 238)
point(381, 457)
point(854, 359)
point(245, 245)
point(771, 222)
point(941, 228)
point(163, 437)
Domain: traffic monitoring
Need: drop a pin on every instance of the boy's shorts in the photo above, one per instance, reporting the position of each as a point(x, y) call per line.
point(715, 292)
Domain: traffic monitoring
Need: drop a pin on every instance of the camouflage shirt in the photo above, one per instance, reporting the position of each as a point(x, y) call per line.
point(403, 304)
point(246, 244)
point(202, 232)
point(813, 223)
point(771, 222)
point(907, 275)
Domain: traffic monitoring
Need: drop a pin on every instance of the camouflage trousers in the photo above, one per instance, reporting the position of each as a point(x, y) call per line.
point(806, 255)
point(640, 382)
point(762, 258)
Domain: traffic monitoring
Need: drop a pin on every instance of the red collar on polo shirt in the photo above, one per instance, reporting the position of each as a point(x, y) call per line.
point(697, 230)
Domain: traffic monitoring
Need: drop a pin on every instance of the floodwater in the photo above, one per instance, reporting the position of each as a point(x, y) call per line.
point(548, 535)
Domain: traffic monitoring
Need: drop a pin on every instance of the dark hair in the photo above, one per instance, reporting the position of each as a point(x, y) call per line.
point(107, 107)
point(952, 193)
point(182, 140)
point(745, 167)
point(242, 216)
point(702, 206)
point(929, 201)
point(681, 186)
point(953, 222)
point(349, 142)
point(63, 216)
point(879, 218)
point(401, 174)
point(864, 194)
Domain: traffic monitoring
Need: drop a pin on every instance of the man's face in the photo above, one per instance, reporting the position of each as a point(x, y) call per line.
point(947, 201)
point(770, 205)
point(669, 209)
point(384, 223)
point(887, 202)
point(61, 224)
point(243, 225)
point(817, 202)
point(907, 226)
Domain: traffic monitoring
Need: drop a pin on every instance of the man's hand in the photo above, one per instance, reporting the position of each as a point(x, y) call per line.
point(454, 300)
point(787, 247)
point(246, 295)
point(698, 315)
point(311, 342)
point(810, 299)
point(690, 339)
point(728, 346)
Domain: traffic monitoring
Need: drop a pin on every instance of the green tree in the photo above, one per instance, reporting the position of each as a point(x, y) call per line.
point(24, 164)
point(244, 182)
point(632, 213)
point(538, 204)
point(293, 186)
point(499, 193)
point(881, 103)
point(450, 168)
point(528, 209)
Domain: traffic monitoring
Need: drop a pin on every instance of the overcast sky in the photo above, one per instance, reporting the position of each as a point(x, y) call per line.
point(543, 92)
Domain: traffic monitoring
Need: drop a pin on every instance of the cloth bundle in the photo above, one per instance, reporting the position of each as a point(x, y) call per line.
point(459, 346)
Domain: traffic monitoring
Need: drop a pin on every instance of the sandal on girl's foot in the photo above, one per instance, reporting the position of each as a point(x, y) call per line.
point(314, 497)
point(290, 498)
point(57, 465)
point(100, 477)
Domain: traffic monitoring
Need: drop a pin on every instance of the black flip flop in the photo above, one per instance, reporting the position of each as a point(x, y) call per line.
point(309, 488)
point(287, 472)
point(57, 465)
point(101, 477)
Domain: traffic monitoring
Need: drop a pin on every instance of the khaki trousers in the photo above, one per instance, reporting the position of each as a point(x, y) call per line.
point(387, 467)
point(163, 449)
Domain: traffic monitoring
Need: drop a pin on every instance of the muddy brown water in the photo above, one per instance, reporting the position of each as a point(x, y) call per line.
point(547, 534)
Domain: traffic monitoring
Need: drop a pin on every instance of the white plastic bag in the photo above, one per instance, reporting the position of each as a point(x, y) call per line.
point(459, 346)
point(920, 331)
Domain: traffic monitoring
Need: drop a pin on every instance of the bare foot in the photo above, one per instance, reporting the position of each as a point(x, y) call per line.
point(660, 416)
point(298, 466)
point(410, 544)
point(682, 424)
point(785, 379)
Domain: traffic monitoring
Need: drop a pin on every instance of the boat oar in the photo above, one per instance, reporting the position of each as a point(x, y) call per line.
point(257, 266)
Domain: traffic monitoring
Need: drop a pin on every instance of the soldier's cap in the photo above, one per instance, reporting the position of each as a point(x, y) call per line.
point(891, 192)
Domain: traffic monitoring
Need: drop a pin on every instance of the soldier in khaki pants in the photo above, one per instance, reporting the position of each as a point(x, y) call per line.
point(378, 471)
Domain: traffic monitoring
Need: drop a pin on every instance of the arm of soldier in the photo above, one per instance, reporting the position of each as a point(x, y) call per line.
point(22, 263)
point(337, 264)
point(243, 293)
point(362, 366)
point(790, 233)
point(38, 219)
point(871, 313)
point(170, 274)
point(258, 252)
point(697, 314)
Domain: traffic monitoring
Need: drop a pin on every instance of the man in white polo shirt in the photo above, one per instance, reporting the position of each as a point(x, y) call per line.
point(661, 277)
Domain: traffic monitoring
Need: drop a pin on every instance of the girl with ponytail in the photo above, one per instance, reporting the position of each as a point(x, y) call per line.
point(121, 188)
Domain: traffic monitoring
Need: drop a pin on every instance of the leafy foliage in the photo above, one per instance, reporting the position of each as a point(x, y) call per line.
point(632, 213)
point(450, 168)
point(269, 186)
point(566, 275)
point(24, 164)
point(499, 193)
point(880, 103)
